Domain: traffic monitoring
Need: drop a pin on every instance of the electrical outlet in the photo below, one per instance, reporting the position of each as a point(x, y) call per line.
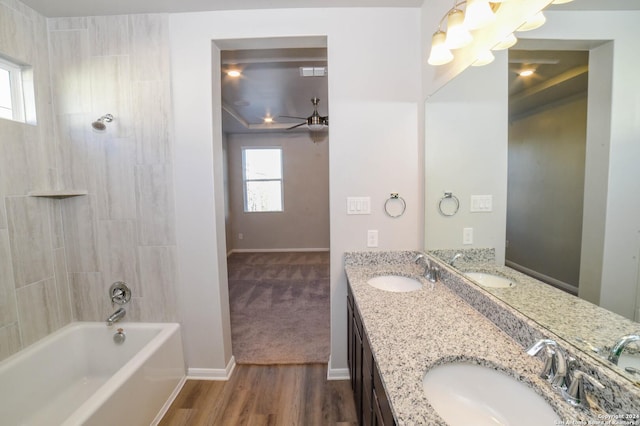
point(372, 238)
point(467, 236)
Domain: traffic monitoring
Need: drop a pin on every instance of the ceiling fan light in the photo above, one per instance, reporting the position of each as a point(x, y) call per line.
point(439, 55)
point(484, 58)
point(457, 35)
point(506, 43)
point(316, 127)
point(536, 21)
point(478, 14)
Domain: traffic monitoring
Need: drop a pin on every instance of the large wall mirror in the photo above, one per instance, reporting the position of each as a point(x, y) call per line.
point(567, 212)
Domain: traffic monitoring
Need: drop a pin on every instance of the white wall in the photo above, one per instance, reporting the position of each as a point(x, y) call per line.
point(466, 154)
point(374, 89)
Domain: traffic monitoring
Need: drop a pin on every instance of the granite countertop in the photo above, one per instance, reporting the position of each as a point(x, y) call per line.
point(415, 331)
point(579, 322)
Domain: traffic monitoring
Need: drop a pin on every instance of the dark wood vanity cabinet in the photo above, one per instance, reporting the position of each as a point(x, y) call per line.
point(372, 404)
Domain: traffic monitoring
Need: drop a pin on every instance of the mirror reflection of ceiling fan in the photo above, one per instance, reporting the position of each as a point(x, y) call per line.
point(315, 121)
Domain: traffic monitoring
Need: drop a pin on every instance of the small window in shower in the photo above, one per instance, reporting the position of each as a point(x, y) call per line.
point(262, 178)
point(17, 97)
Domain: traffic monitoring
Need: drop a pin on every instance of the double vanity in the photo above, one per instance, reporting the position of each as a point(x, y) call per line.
point(427, 345)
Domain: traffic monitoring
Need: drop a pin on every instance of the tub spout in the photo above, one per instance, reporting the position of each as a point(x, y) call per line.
point(116, 316)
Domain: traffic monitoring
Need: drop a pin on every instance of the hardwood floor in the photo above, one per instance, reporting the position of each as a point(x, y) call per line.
point(288, 395)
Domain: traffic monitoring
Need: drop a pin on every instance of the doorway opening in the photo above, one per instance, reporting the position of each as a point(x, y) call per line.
point(277, 198)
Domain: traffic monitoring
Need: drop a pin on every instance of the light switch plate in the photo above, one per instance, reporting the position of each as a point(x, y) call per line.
point(358, 205)
point(481, 203)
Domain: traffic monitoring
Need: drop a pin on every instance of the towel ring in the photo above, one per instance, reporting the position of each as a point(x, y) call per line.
point(395, 199)
point(449, 196)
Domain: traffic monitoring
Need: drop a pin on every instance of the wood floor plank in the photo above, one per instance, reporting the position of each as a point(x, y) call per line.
point(271, 395)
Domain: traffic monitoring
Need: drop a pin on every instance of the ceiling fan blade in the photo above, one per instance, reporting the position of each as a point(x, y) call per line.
point(290, 116)
point(297, 125)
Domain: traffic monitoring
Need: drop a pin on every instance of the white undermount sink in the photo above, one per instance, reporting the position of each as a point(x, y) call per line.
point(488, 280)
point(395, 283)
point(470, 394)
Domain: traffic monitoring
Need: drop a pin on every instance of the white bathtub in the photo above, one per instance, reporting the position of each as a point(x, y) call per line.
point(79, 376)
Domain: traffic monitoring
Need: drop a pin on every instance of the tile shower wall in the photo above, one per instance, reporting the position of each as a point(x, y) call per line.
point(59, 257)
point(34, 288)
point(124, 230)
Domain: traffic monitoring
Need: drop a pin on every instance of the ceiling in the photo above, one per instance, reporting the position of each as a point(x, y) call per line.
point(271, 85)
point(558, 75)
point(69, 8)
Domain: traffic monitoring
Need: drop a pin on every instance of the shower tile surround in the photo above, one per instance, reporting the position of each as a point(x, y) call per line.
point(59, 257)
point(412, 332)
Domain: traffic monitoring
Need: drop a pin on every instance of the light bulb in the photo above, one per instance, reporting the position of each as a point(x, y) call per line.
point(457, 35)
point(439, 55)
point(478, 14)
point(485, 57)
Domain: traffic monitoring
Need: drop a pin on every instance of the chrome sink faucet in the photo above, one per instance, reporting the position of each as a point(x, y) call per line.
point(431, 271)
point(562, 372)
point(555, 366)
point(454, 258)
point(620, 345)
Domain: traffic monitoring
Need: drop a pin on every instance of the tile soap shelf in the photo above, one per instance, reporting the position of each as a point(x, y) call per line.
point(59, 194)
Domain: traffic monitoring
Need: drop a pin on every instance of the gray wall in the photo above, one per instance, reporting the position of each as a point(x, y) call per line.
point(34, 290)
point(304, 223)
point(545, 190)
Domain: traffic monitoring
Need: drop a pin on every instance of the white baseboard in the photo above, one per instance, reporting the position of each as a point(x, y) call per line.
point(276, 250)
point(337, 373)
point(212, 373)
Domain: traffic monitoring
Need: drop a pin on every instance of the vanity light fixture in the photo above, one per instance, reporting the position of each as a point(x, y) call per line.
point(536, 21)
point(478, 14)
point(484, 58)
point(457, 34)
point(508, 42)
point(439, 55)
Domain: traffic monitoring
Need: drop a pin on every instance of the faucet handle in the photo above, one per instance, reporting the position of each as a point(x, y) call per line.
point(575, 394)
point(550, 349)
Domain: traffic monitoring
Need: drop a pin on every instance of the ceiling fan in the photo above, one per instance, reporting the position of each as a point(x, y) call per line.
point(315, 121)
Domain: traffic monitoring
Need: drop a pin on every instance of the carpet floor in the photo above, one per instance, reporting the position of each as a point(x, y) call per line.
point(279, 305)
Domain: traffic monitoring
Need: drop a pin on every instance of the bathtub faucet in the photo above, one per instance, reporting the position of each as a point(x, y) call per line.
point(116, 316)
